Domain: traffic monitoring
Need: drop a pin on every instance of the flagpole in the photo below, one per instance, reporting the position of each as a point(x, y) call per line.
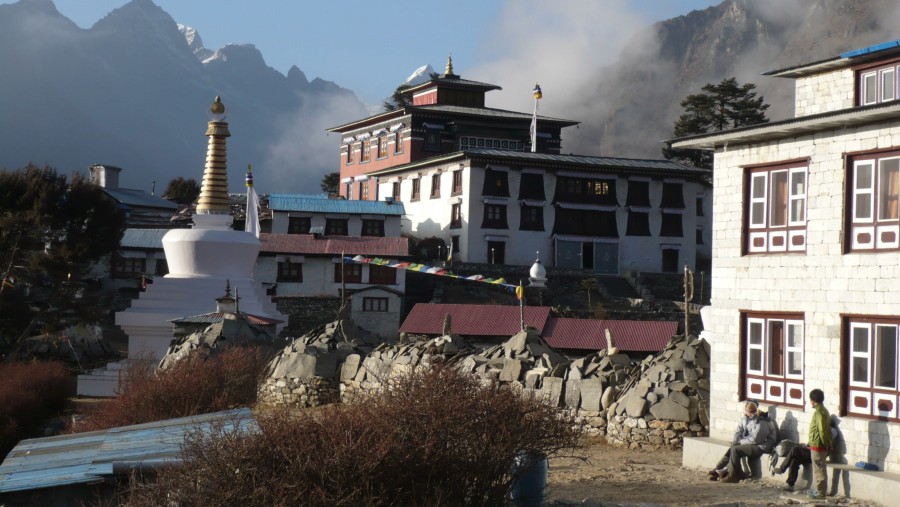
point(521, 294)
point(537, 94)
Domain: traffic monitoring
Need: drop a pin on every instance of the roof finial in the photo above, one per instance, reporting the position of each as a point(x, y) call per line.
point(448, 71)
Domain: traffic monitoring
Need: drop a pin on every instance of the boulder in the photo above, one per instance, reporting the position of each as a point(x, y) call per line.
point(670, 411)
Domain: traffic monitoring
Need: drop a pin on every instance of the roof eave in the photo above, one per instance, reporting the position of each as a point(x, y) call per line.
point(371, 119)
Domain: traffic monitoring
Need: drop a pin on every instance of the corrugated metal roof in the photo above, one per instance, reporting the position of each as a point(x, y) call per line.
point(628, 335)
point(90, 457)
point(315, 204)
point(214, 317)
point(451, 82)
point(139, 198)
point(143, 238)
point(473, 320)
point(307, 244)
point(577, 162)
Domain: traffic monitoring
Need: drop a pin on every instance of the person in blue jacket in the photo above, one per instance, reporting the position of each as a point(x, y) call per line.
point(751, 439)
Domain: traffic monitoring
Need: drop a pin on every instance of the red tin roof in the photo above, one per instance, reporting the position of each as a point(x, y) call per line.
point(307, 244)
point(473, 320)
point(628, 335)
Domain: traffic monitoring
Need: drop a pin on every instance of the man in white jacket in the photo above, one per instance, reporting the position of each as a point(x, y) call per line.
point(752, 437)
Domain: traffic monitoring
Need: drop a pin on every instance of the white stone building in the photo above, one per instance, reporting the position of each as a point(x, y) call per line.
point(806, 273)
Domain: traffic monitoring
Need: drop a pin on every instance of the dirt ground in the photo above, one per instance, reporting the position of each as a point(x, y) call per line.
point(610, 476)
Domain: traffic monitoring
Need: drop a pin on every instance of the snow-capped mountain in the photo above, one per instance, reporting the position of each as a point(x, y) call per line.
point(419, 76)
point(134, 90)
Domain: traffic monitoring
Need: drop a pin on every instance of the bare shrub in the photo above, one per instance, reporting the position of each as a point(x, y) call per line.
point(436, 437)
point(29, 393)
point(194, 385)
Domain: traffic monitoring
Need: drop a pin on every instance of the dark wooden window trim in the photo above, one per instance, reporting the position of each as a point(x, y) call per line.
point(375, 305)
point(128, 267)
point(457, 182)
point(844, 407)
point(382, 147)
point(765, 394)
point(398, 141)
point(290, 272)
point(893, 226)
point(374, 228)
point(352, 273)
point(435, 185)
point(498, 222)
point(299, 225)
point(456, 216)
point(793, 236)
point(416, 191)
point(382, 275)
point(526, 223)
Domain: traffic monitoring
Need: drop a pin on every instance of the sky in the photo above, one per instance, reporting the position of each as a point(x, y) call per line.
point(370, 47)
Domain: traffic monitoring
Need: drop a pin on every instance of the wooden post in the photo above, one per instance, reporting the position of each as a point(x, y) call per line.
point(688, 295)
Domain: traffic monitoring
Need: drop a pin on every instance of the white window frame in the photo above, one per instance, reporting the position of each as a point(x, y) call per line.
point(864, 87)
point(799, 197)
point(795, 349)
point(893, 84)
point(867, 354)
point(785, 388)
point(760, 347)
point(870, 191)
point(880, 196)
point(876, 356)
point(764, 200)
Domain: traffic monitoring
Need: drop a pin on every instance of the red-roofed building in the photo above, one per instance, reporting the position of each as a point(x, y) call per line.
point(493, 323)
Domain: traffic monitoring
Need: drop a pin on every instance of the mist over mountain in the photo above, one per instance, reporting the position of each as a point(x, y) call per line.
point(134, 89)
point(132, 92)
point(628, 107)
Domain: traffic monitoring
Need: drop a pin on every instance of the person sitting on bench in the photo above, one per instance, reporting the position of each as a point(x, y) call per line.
point(751, 439)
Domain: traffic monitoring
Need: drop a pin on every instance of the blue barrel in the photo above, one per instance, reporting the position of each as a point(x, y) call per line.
point(529, 480)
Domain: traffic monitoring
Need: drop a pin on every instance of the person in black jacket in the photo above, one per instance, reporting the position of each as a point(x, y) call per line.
point(794, 455)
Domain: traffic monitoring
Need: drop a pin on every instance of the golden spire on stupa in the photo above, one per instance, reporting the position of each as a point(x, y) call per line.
point(448, 70)
point(213, 198)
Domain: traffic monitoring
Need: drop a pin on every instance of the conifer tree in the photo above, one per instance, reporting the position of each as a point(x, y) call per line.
point(722, 106)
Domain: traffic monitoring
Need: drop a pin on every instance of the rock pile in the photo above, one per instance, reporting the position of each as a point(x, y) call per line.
point(306, 372)
point(593, 383)
point(667, 401)
point(79, 345)
point(232, 331)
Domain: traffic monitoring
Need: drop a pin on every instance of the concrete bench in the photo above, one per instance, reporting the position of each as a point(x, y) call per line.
point(702, 453)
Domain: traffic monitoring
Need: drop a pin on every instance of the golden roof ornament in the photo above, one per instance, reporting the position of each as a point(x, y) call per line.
point(449, 69)
point(213, 198)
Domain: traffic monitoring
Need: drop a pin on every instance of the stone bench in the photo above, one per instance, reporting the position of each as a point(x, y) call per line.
point(702, 453)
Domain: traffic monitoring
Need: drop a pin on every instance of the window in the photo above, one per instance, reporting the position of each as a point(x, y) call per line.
point(364, 151)
point(638, 194)
point(348, 189)
point(432, 141)
point(875, 191)
point(699, 237)
point(349, 153)
point(699, 207)
point(456, 216)
point(672, 196)
point(416, 184)
point(586, 223)
point(531, 186)
point(496, 183)
point(496, 252)
point(870, 348)
point(494, 216)
point(382, 146)
point(435, 185)
point(532, 218)
point(128, 267)
point(877, 85)
point(290, 271)
point(454, 244)
point(382, 275)
point(671, 225)
point(398, 142)
point(299, 225)
point(364, 190)
point(772, 348)
point(638, 224)
point(457, 183)
point(375, 304)
point(776, 210)
point(352, 273)
point(373, 228)
point(395, 190)
point(586, 191)
point(468, 142)
point(335, 226)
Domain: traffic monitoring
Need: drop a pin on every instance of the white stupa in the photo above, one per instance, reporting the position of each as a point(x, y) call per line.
point(201, 261)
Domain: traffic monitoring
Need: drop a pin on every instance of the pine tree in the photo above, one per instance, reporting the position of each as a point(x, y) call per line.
point(722, 106)
point(182, 191)
point(331, 183)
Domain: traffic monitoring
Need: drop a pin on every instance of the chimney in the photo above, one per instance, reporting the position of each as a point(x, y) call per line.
point(106, 176)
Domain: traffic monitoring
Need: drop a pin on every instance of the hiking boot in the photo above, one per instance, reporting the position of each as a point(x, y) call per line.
point(713, 473)
point(787, 487)
point(731, 479)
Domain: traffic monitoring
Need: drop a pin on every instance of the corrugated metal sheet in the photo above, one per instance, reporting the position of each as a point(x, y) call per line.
point(307, 244)
point(143, 238)
point(214, 317)
point(91, 457)
point(316, 204)
point(473, 320)
point(140, 199)
point(628, 335)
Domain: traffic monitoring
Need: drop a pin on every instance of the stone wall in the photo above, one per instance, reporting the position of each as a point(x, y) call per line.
point(638, 433)
point(297, 392)
point(305, 313)
point(821, 93)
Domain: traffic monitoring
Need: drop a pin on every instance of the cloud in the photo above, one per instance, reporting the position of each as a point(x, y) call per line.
point(304, 152)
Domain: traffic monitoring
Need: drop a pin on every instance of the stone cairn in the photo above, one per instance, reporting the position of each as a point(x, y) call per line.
point(232, 331)
point(306, 373)
point(666, 401)
point(593, 384)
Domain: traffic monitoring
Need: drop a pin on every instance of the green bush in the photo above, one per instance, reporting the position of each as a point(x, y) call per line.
point(436, 437)
point(30, 393)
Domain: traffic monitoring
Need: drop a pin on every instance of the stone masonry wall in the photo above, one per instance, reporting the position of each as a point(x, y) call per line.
point(305, 313)
point(823, 284)
point(824, 92)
